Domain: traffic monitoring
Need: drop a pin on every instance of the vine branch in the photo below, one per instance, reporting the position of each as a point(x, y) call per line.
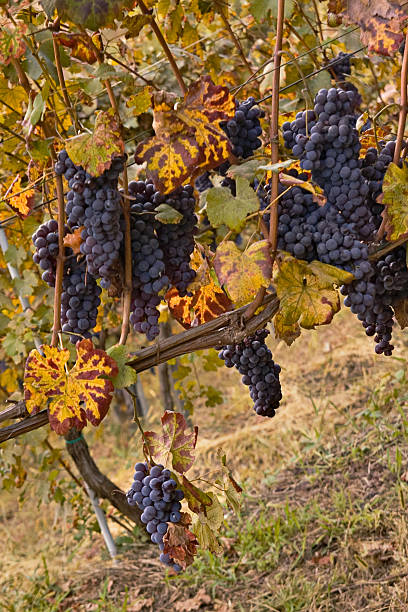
point(164, 46)
point(403, 104)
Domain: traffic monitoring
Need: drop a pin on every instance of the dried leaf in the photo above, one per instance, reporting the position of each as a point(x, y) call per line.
point(173, 441)
point(95, 152)
point(180, 543)
point(367, 139)
point(194, 603)
point(134, 23)
point(188, 140)
point(401, 312)
point(381, 23)
point(81, 46)
point(242, 274)
point(73, 396)
point(12, 45)
point(395, 199)
point(285, 331)
point(307, 292)
point(74, 240)
point(224, 208)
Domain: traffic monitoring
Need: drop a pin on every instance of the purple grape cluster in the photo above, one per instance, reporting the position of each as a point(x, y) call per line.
point(79, 300)
point(340, 66)
point(254, 361)
point(94, 202)
point(155, 493)
point(45, 241)
point(244, 129)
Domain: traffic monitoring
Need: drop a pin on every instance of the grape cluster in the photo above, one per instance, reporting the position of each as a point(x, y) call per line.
point(244, 129)
point(177, 239)
point(374, 167)
point(45, 240)
point(94, 202)
point(155, 493)
point(340, 66)
point(148, 268)
point(253, 360)
point(79, 300)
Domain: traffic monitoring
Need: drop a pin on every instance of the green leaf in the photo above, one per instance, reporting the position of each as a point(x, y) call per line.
point(25, 285)
point(224, 208)
point(38, 109)
point(207, 525)
point(126, 375)
point(261, 8)
point(167, 214)
point(15, 255)
point(395, 199)
point(48, 7)
point(92, 14)
point(279, 166)
point(247, 170)
point(134, 23)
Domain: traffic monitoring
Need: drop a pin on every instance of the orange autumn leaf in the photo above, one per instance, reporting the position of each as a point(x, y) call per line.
point(74, 240)
point(180, 543)
point(74, 396)
point(20, 199)
point(80, 45)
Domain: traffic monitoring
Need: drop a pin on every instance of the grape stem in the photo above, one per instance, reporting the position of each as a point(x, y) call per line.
point(403, 104)
point(56, 328)
point(164, 46)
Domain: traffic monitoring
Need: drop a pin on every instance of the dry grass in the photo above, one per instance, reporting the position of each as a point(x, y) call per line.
point(323, 524)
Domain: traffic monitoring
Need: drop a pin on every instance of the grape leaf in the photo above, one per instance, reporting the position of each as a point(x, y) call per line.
point(188, 140)
point(74, 240)
point(395, 199)
point(95, 152)
point(180, 543)
point(80, 45)
point(207, 525)
point(167, 214)
point(224, 208)
point(261, 8)
point(134, 23)
point(196, 498)
point(140, 102)
point(20, 199)
point(381, 23)
point(400, 307)
point(74, 396)
point(307, 292)
point(173, 441)
point(367, 139)
point(242, 274)
point(126, 375)
point(12, 45)
point(231, 488)
point(92, 14)
point(285, 331)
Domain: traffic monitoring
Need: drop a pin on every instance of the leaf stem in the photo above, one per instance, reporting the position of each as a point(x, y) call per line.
point(164, 46)
point(403, 104)
point(60, 261)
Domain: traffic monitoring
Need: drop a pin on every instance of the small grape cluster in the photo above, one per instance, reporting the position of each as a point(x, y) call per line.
point(244, 129)
point(94, 202)
point(155, 493)
point(374, 167)
point(79, 300)
point(254, 361)
point(45, 241)
point(340, 66)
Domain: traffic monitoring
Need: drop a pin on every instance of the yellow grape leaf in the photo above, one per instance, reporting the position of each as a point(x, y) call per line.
point(207, 526)
point(9, 380)
point(140, 102)
point(400, 307)
point(80, 45)
point(381, 23)
point(188, 140)
point(243, 273)
point(20, 199)
point(95, 151)
point(284, 331)
point(13, 96)
point(395, 199)
point(307, 292)
point(73, 396)
point(74, 240)
point(180, 543)
point(367, 139)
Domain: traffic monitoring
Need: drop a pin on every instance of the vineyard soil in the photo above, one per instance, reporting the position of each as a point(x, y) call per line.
point(323, 524)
